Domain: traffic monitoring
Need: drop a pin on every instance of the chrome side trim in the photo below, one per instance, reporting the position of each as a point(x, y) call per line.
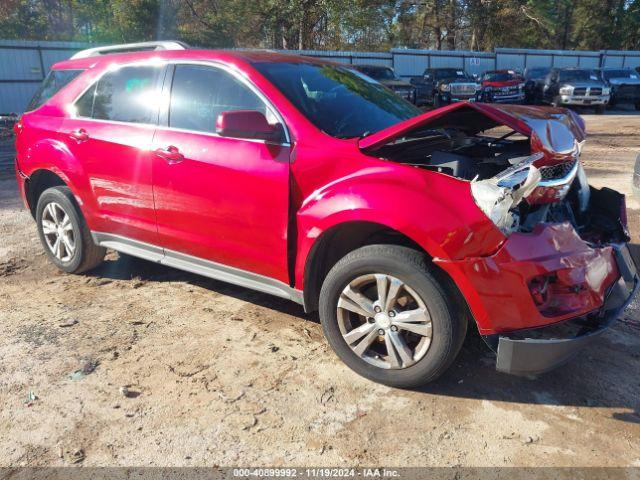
point(197, 265)
point(128, 246)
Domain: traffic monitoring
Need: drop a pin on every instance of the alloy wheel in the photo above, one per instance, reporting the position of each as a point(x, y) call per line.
point(384, 321)
point(58, 232)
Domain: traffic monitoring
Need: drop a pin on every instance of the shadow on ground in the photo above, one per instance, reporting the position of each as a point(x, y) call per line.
point(597, 377)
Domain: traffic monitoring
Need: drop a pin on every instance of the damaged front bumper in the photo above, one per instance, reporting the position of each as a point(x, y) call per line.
point(535, 351)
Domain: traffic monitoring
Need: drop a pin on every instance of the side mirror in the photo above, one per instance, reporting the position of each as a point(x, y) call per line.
point(248, 124)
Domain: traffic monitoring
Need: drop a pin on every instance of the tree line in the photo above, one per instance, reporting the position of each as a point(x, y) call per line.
point(366, 25)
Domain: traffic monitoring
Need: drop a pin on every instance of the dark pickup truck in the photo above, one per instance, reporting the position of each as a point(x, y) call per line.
point(624, 84)
point(441, 86)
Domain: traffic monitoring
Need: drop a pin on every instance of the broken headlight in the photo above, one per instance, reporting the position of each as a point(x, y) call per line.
point(499, 196)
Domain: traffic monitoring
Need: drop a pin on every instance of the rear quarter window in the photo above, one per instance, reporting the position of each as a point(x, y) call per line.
point(128, 94)
point(52, 84)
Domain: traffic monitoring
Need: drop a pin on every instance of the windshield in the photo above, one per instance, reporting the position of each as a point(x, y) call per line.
point(577, 75)
point(608, 74)
point(499, 76)
point(379, 73)
point(450, 74)
point(338, 100)
point(537, 73)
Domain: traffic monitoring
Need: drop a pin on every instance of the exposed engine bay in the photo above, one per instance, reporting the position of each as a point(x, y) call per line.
point(452, 152)
point(516, 188)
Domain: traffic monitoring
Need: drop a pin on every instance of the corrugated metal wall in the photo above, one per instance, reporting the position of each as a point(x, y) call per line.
point(23, 64)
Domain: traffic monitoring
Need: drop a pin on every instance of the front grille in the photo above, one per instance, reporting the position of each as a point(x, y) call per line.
point(580, 91)
point(463, 88)
point(595, 91)
point(554, 172)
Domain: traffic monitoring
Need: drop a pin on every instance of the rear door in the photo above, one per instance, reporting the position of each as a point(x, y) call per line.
point(222, 199)
point(111, 134)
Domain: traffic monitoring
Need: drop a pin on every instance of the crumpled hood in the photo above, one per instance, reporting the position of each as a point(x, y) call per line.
point(556, 132)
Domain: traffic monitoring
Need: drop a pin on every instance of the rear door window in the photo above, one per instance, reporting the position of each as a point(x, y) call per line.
point(129, 94)
point(200, 93)
point(52, 84)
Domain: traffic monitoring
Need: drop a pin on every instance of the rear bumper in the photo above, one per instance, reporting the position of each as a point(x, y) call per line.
point(536, 351)
point(21, 178)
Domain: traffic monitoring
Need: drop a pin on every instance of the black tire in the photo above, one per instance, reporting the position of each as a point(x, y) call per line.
point(448, 316)
point(637, 106)
point(437, 100)
point(600, 109)
point(86, 254)
point(556, 102)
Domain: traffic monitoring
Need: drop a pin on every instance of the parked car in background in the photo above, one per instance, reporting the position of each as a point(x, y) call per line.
point(442, 86)
point(534, 79)
point(388, 77)
point(501, 86)
point(624, 84)
point(306, 180)
point(583, 87)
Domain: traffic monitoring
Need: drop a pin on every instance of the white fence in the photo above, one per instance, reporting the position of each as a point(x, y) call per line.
point(23, 64)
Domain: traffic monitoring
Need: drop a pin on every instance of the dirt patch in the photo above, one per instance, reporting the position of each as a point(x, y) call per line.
point(178, 370)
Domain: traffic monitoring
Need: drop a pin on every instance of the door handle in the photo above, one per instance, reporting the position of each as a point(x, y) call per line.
point(79, 135)
point(170, 154)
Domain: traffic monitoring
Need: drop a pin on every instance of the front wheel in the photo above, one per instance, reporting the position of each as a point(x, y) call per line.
point(389, 318)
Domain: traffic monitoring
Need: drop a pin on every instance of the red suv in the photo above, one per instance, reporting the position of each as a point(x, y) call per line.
point(310, 181)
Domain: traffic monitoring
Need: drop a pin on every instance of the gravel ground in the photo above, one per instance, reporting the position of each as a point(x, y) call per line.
point(135, 364)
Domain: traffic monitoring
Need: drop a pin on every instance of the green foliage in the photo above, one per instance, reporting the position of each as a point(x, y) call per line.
point(332, 24)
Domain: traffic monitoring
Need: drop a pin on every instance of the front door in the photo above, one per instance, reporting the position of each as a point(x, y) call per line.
point(225, 200)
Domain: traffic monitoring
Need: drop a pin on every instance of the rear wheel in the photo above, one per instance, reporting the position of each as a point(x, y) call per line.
point(64, 233)
point(388, 317)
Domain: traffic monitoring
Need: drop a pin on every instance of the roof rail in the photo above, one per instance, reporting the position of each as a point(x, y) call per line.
point(130, 47)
